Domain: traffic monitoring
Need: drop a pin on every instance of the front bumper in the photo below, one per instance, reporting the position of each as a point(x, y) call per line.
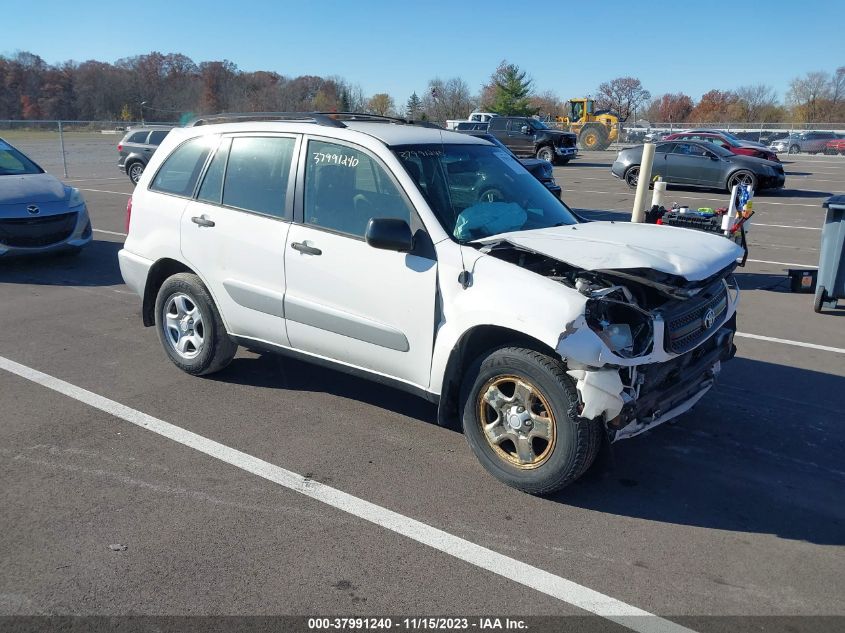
point(80, 236)
point(566, 152)
point(773, 182)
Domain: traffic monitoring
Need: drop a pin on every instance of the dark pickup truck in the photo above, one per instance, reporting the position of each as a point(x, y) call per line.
point(525, 136)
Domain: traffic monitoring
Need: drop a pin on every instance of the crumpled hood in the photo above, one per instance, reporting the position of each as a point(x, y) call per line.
point(690, 254)
point(31, 188)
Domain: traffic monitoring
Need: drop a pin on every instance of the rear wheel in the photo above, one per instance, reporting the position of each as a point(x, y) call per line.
point(190, 328)
point(134, 172)
point(546, 153)
point(632, 176)
point(741, 177)
point(794, 149)
point(520, 419)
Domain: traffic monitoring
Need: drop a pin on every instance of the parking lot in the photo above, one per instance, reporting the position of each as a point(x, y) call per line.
point(735, 510)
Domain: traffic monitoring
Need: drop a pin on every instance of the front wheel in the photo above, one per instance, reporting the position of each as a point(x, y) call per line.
point(741, 177)
point(520, 417)
point(190, 328)
point(794, 149)
point(546, 153)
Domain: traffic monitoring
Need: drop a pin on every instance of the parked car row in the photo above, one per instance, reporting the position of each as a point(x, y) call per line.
point(137, 147)
point(810, 142)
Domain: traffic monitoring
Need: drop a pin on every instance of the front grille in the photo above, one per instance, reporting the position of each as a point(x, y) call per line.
point(37, 231)
point(567, 141)
point(685, 328)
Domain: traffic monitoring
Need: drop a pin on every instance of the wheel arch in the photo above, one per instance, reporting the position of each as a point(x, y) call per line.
point(159, 272)
point(469, 346)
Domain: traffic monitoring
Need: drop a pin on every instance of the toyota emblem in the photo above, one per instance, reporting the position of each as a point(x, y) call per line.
point(32, 209)
point(709, 319)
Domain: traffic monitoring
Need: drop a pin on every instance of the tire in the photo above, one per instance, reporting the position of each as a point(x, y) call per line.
point(794, 149)
point(546, 153)
point(134, 171)
point(593, 137)
point(184, 297)
point(741, 177)
point(546, 461)
point(632, 175)
point(819, 299)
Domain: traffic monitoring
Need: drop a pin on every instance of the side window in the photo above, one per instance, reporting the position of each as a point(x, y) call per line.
point(257, 174)
point(211, 189)
point(689, 149)
point(157, 136)
point(138, 137)
point(180, 170)
point(516, 125)
point(665, 148)
point(345, 187)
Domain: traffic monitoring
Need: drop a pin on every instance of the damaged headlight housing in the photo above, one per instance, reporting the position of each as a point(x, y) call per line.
point(626, 329)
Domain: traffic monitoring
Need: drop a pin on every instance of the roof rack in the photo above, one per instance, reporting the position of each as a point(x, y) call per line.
point(330, 119)
point(319, 118)
point(378, 118)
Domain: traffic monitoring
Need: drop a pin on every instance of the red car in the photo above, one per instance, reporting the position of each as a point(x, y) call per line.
point(726, 142)
point(836, 146)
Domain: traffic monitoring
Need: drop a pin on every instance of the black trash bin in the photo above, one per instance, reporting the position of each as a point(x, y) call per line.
point(830, 285)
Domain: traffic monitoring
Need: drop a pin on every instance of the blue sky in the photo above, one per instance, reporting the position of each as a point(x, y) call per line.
point(396, 47)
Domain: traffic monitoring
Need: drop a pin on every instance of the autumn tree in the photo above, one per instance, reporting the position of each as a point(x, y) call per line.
point(547, 104)
point(715, 106)
point(622, 96)
point(380, 103)
point(672, 108)
point(510, 91)
point(755, 103)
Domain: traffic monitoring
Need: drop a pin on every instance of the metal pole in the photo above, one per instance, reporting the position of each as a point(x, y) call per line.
point(62, 144)
point(643, 180)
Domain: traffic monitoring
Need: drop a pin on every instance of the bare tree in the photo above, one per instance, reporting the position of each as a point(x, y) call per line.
point(753, 102)
point(622, 95)
point(448, 99)
point(809, 96)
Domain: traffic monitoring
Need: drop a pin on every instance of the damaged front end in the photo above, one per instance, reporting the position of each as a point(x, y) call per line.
point(648, 345)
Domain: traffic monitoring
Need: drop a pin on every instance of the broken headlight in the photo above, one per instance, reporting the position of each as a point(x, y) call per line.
point(626, 329)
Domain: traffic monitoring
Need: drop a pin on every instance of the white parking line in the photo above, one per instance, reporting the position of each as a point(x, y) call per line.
point(784, 341)
point(462, 549)
point(109, 232)
point(117, 193)
point(786, 226)
point(787, 264)
point(93, 179)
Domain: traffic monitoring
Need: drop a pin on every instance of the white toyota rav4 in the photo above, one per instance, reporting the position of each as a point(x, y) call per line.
point(433, 262)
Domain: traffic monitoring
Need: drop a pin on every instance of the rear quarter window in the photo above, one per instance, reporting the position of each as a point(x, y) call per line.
point(180, 171)
point(157, 136)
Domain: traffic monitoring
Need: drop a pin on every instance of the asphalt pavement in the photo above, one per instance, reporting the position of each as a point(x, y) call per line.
point(735, 510)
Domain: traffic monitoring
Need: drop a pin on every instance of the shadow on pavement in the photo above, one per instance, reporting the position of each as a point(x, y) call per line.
point(274, 371)
point(761, 453)
point(96, 265)
point(756, 455)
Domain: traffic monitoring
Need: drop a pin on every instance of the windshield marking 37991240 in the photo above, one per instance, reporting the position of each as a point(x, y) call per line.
point(479, 190)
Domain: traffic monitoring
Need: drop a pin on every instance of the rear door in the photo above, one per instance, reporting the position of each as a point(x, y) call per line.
point(521, 144)
point(346, 300)
point(234, 231)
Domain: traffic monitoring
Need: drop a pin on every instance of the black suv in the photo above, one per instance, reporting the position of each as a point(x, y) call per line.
point(526, 136)
point(136, 147)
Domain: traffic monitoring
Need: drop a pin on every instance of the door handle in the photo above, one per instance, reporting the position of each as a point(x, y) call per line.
point(202, 220)
point(304, 248)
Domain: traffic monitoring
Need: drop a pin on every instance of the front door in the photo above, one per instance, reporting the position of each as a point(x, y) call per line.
point(346, 300)
point(520, 143)
point(234, 232)
point(690, 163)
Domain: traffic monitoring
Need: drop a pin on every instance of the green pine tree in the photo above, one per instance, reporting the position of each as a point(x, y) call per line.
point(413, 107)
point(511, 91)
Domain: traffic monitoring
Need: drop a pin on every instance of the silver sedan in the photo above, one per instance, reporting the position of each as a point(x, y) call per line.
point(38, 213)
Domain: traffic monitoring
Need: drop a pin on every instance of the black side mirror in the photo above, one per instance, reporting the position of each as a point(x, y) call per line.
point(390, 234)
